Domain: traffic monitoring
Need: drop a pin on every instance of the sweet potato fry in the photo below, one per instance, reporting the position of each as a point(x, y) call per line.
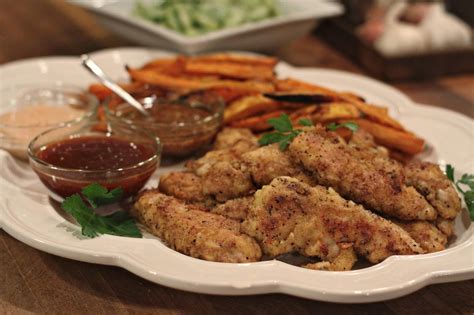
point(299, 86)
point(354, 96)
point(336, 111)
point(184, 84)
point(257, 123)
point(102, 92)
point(236, 58)
point(392, 138)
point(229, 94)
point(249, 106)
point(305, 112)
point(160, 63)
point(171, 66)
point(375, 113)
point(230, 70)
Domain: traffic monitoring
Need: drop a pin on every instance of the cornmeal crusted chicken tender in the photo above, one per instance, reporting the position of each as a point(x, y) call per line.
point(430, 181)
point(445, 226)
point(182, 185)
point(268, 162)
point(430, 238)
point(235, 208)
point(345, 260)
point(335, 164)
point(229, 137)
point(226, 180)
point(193, 232)
point(289, 215)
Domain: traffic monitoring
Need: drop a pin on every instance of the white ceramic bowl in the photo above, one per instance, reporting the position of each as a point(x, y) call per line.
point(297, 18)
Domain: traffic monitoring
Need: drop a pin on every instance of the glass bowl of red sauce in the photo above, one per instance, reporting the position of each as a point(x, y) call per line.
point(184, 125)
point(68, 158)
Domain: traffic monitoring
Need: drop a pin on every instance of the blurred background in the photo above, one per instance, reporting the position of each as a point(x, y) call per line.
point(415, 45)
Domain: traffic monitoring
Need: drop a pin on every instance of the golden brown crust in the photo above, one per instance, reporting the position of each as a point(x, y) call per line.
point(195, 233)
point(345, 260)
point(430, 238)
point(430, 181)
point(182, 185)
point(268, 162)
point(289, 215)
point(376, 185)
point(229, 137)
point(234, 208)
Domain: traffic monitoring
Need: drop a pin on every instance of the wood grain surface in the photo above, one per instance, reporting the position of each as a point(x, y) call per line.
point(35, 282)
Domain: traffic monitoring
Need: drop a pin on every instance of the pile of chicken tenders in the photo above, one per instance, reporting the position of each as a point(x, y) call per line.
point(327, 198)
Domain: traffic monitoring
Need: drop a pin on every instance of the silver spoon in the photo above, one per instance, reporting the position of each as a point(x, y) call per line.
point(90, 65)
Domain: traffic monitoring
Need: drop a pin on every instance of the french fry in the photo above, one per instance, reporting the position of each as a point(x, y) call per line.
point(257, 123)
point(170, 66)
point(248, 106)
point(336, 111)
point(375, 113)
point(102, 92)
point(354, 96)
point(228, 94)
point(299, 86)
point(305, 112)
point(230, 70)
point(160, 63)
point(237, 58)
point(184, 84)
point(392, 138)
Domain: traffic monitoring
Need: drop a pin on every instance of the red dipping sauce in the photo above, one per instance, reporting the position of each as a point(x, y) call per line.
point(71, 164)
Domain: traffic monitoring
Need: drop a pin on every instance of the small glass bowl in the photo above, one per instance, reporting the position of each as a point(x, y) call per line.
point(63, 182)
point(183, 125)
point(28, 110)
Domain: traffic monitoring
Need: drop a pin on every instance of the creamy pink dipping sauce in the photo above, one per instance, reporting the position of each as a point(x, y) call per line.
point(19, 127)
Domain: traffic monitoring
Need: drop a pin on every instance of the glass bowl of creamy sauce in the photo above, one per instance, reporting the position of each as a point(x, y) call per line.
point(28, 110)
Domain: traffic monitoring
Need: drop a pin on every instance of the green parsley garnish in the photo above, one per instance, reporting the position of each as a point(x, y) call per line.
point(349, 125)
point(468, 194)
point(306, 122)
point(118, 223)
point(284, 133)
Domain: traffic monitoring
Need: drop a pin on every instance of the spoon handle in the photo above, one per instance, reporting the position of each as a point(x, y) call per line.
point(90, 65)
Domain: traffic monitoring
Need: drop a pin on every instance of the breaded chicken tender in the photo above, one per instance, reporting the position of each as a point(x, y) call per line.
point(375, 185)
point(268, 162)
point(432, 183)
point(235, 208)
point(193, 232)
point(230, 137)
point(225, 180)
point(289, 215)
point(182, 185)
point(430, 238)
point(345, 260)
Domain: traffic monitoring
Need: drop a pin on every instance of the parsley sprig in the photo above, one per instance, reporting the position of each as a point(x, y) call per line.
point(349, 125)
point(284, 133)
point(118, 223)
point(468, 194)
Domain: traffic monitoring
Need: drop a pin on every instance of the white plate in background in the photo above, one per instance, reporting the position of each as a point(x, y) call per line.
point(297, 18)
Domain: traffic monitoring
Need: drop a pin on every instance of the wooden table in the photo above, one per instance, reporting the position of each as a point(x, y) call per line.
point(33, 281)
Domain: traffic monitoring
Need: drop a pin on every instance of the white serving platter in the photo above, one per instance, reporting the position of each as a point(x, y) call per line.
point(297, 18)
point(26, 212)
